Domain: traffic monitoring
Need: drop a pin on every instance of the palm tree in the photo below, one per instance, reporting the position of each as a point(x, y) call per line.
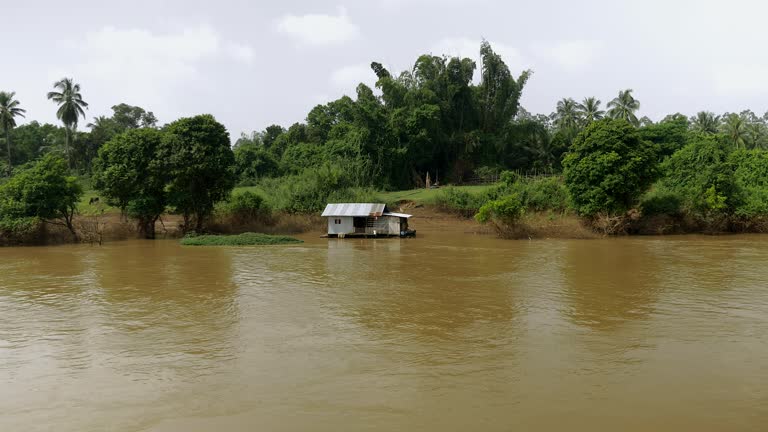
point(566, 115)
point(589, 109)
point(624, 107)
point(9, 110)
point(757, 132)
point(97, 122)
point(735, 128)
point(705, 122)
point(71, 106)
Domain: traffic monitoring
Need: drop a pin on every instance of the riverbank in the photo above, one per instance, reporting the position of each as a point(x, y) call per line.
point(107, 227)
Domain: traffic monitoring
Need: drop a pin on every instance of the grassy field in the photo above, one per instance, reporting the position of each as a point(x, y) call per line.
point(426, 196)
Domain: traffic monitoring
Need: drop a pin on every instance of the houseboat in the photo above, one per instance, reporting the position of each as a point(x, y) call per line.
point(365, 220)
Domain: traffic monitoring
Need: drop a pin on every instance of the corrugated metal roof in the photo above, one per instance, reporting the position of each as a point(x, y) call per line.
point(354, 209)
point(401, 215)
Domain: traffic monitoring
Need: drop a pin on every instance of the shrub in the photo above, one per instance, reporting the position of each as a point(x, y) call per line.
point(460, 201)
point(504, 211)
point(751, 178)
point(247, 206)
point(702, 175)
point(661, 202)
point(609, 167)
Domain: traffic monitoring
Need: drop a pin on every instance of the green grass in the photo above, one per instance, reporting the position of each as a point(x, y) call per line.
point(245, 239)
point(93, 209)
point(427, 196)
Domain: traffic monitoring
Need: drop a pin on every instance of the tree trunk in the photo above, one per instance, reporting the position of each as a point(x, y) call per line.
point(67, 144)
point(147, 228)
point(8, 144)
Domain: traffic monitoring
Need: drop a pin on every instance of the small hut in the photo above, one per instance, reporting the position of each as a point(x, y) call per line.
point(365, 220)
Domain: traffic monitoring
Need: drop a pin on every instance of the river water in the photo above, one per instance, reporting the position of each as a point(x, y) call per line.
point(445, 332)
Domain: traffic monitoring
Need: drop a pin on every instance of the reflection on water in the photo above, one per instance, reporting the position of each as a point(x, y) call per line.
point(447, 331)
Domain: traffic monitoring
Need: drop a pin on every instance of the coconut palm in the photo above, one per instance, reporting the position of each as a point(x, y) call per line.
point(624, 107)
point(589, 110)
point(9, 110)
point(757, 134)
point(71, 106)
point(735, 128)
point(705, 122)
point(97, 122)
point(566, 114)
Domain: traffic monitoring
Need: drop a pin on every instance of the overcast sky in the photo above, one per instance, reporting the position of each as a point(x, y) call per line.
point(252, 63)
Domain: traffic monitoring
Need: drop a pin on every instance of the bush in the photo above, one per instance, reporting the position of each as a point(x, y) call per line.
point(247, 206)
point(661, 202)
point(702, 175)
point(541, 194)
point(460, 201)
point(504, 211)
point(311, 190)
point(609, 167)
point(751, 178)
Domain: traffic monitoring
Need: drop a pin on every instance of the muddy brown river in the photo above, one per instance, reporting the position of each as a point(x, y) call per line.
point(445, 332)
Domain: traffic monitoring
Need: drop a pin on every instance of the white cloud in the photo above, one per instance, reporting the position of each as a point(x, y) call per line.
point(243, 53)
point(319, 29)
point(350, 76)
point(572, 55)
point(143, 66)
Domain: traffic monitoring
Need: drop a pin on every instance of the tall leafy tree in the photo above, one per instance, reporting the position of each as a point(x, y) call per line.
point(589, 110)
point(132, 176)
point(624, 107)
point(9, 110)
point(71, 105)
point(705, 122)
point(201, 167)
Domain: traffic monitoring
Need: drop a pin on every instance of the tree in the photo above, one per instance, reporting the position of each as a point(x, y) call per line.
point(44, 191)
point(131, 175)
point(200, 167)
point(624, 107)
point(566, 114)
point(735, 129)
point(71, 106)
point(671, 134)
point(705, 122)
point(133, 117)
point(253, 161)
point(608, 167)
point(9, 110)
point(589, 110)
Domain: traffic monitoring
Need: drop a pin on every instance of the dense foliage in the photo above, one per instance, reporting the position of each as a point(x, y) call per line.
point(43, 191)
point(200, 167)
point(608, 167)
